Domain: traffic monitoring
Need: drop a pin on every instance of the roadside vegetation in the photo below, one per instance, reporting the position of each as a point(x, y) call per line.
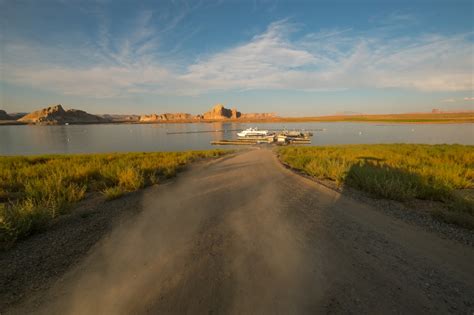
point(402, 172)
point(35, 190)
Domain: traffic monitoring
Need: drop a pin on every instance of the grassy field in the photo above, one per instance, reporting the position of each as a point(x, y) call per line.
point(402, 172)
point(35, 190)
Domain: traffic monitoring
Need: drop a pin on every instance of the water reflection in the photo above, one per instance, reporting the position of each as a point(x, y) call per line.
point(156, 137)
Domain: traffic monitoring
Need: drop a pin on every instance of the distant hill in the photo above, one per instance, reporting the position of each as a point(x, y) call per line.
point(55, 115)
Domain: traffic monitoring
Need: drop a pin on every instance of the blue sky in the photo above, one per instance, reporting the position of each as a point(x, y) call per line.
point(295, 58)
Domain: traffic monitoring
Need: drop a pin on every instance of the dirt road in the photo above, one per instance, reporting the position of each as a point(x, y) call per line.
point(244, 235)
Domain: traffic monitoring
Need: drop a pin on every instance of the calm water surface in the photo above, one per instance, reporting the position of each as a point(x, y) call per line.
point(20, 140)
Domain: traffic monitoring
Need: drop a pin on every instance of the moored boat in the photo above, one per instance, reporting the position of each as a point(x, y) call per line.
point(253, 133)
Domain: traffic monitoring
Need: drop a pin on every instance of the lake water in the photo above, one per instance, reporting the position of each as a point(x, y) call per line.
point(27, 140)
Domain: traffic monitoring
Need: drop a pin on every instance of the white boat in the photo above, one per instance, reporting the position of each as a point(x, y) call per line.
point(253, 133)
point(282, 138)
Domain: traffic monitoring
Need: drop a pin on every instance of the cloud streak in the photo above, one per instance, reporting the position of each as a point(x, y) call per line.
point(453, 100)
point(275, 59)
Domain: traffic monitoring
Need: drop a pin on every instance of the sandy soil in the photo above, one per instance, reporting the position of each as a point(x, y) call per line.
point(242, 235)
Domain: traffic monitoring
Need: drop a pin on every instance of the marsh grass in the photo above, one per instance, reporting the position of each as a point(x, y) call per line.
point(35, 190)
point(400, 172)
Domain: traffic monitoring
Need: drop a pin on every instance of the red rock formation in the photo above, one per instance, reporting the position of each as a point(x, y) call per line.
point(235, 114)
point(57, 115)
point(219, 112)
point(167, 117)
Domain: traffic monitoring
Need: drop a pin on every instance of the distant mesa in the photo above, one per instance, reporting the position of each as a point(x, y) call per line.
point(218, 112)
point(167, 117)
point(55, 115)
point(4, 115)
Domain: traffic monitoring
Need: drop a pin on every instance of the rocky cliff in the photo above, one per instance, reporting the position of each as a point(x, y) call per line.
point(168, 117)
point(57, 115)
point(220, 112)
point(4, 115)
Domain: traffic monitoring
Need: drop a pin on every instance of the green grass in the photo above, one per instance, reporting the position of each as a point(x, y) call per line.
point(402, 172)
point(35, 190)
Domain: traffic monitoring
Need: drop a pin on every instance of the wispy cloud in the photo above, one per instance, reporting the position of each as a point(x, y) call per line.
point(337, 60)
point(453, 100)
point(275, 59)
point(394, 18)
point(257, 64)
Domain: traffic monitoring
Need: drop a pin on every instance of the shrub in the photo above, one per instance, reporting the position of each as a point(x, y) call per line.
point(130, 179)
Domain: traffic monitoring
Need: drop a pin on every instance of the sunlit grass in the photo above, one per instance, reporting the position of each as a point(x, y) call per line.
point(35, 190)
point(397, 171)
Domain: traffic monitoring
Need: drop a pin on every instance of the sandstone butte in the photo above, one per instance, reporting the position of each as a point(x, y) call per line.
point(57, 115)
point(4, 115)
point(218, 112)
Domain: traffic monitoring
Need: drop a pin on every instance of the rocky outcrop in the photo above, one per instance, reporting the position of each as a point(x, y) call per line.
point(235, 114)
point(121, 118)
point(56, 115)
point(4, 115)
point(219, 112)
point(167, 117)
point(257, 116)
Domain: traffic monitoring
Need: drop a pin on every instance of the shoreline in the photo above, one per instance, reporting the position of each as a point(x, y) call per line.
point(283, 120)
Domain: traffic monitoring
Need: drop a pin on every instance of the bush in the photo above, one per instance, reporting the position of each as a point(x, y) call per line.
point(130, 179)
